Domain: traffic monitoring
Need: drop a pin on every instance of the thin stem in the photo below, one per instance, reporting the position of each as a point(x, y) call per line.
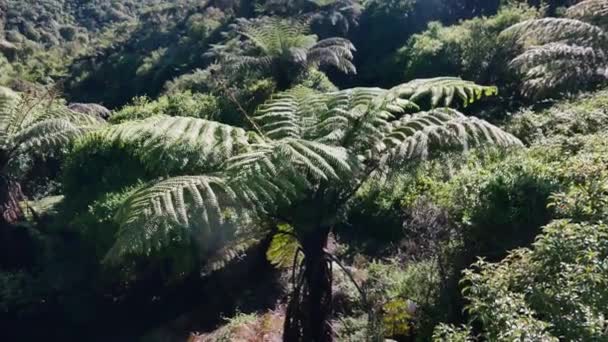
point(240, 108)
point(351, 277)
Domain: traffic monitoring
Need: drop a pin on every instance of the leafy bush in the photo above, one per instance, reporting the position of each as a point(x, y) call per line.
point(470, 49)
point(587, 114)
point(104, 167)
point(501, 206)
point(557, 289)
point(175, 104)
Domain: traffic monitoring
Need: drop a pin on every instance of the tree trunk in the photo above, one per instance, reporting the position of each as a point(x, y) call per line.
point(309, 309)
point(10, 195)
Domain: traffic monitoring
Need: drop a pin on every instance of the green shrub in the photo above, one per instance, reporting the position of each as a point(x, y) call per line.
point(97, 224)
point(557, 289)
point(102, 167)
point(401, 300)
point(470, 49)
point(501, 206)
point(202, 106)
point(587, 114)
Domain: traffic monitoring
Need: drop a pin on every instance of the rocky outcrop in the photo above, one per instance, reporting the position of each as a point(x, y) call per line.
point(91, 109)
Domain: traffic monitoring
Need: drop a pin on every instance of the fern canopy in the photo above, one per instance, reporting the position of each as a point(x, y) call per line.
point(310, 143)
point(280, 47)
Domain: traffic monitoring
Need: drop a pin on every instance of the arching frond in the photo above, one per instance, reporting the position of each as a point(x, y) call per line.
point(188, 207)
point(550, 30)
point(283, 115)
point(412, 136)
point(590, 11)
point(47, 135)
point(231, 251)
point(443, 90)
point(39, 126)
point(558, 66)
point(162, 135)
point(318, 161)
point(337, 52)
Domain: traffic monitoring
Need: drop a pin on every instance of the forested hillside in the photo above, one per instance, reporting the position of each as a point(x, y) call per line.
point(303, 170)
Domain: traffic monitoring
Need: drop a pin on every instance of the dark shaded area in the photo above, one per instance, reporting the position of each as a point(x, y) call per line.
point(79, 302)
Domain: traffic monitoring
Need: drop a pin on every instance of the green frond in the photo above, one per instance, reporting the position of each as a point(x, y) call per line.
point(294, 156)
point(412, 136)
point(231, 251)
point(549, 30)
point(282, 116)
point(443, 90)
point(39, 126)
point(283, 247)
point(337, 52)
point(590, 11)
point(159, 136)
point(47, 135)
point(557, 66)
point(187, 207)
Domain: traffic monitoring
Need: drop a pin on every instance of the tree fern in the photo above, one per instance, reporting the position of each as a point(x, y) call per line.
point(30, 125)
point(590, 11)
point(283, 48)
point(312, 153)
point(561, 55)
point(548, 30)
point(558, 66)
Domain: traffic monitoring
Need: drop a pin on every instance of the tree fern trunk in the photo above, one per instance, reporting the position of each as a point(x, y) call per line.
point(10, 195)
point(309, 310)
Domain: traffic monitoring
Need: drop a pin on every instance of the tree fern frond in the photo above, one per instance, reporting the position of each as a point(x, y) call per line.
point(47, 135)
point(549, 30)
point(337, 52)
point(283, 247)
point(413, 135)
point(189, 202)
point(548, 53)
point(443, 90)
point(234, 248)
point(319, 161)
point(33, 125)
point(161, 135)
point(231, 251)
point(557, 66)
point(283, 115)
point(590, 11)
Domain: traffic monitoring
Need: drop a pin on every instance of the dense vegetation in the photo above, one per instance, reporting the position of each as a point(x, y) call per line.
point(304, 170)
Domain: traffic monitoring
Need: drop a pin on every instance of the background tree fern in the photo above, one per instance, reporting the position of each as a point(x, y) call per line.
point(282, 48)
point(561, 55)
point(31, 125)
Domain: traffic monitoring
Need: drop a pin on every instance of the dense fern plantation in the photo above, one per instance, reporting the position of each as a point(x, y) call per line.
point(303, 170)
